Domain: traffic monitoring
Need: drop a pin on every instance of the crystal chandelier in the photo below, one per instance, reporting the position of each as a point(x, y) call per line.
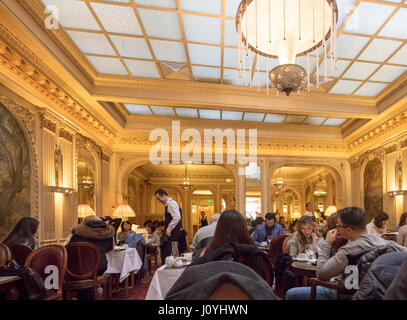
point(86, 181)
point(284, 30)
point(186, 184)
point(280, 182)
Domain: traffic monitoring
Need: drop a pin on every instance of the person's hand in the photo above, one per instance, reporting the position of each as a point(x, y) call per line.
point(314, 236)
point(168, 233)
point(331, 235)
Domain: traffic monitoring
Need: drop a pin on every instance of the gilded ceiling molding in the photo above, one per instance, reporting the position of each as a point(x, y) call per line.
point(374, 134)
point(50, 85)
point(47, 123)
point(27, 122)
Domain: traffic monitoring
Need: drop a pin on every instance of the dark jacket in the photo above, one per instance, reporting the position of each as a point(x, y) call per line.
point(198, 282)
point(247, 254)
point(398, 288)
point(363, 260)
point(380, 275)
point(100, 235)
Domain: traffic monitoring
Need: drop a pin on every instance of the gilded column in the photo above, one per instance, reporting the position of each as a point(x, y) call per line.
point(265, 189)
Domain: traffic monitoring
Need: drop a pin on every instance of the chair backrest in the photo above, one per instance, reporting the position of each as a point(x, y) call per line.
point(46, 256)
point(83, 261)
point(286, 248)
point(229, 291)
point(276, 246)
point(5, 254)
point(19, 252)
point(266, 268)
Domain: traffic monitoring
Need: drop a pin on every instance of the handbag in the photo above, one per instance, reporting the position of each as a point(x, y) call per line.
point(31, 287)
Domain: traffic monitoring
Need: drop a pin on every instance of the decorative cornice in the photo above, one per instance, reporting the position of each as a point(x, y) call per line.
point(48, 123)
point(391, 149)
point(19, 60)
point(66, 135)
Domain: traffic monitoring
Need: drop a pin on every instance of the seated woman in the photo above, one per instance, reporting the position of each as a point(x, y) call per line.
point(231, 226)
point(305, 237)
point(126, 230)
point(378, 224)
point(403, 222)
point(94, 230)
point(152, 240)
point(24, 232)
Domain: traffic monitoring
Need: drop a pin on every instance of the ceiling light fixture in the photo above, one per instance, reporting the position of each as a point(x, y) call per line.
point(286, 29)
point(186, 184)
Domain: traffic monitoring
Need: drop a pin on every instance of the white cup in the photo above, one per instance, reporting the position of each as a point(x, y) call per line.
point(169, 261)
point(302, 256)
point(188, 256)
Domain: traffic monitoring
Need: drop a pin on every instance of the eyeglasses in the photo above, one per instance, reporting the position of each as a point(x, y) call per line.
point(338, 226)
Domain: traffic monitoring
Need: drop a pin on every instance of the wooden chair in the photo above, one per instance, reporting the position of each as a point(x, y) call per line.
point(229, 291)
point(19, 252)
point(267, 269)
point(276, 247)
point(83, 264)
point(314, 282)
point(5, 254)
point(150, 257)
point(46, 256)
point(285, 247)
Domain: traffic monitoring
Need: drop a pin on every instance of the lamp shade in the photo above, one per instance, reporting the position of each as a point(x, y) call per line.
point(330, 210)
point(124, 211)
point(85, 210)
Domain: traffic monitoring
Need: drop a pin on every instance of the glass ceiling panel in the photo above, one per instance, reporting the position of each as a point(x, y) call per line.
point(348, 47)
point(370, 89)
point(334, 122)
point(108, 65)
point(379, 50)
point(231, 7)
point(400, 57)
point(142, 68)
point(117, 19)
point(295, 119)
point(206, 55)
point(232, 115)
point(206, 74)
point(202, 29)
point(209, 114)
point(368, 18)
point(314, 121)
point(169, 50)
point(345, 86)
point(168, 26)
point(360, 70)
point(187, 112)
point(169, 4)
point(138, 109)
point(163, 111)
point(251, 116)
point(206, 6)
point(74, 14)
point(388, 73)
point(274, 118)
point(397, 26)
point(130, 47)
point(92, 43)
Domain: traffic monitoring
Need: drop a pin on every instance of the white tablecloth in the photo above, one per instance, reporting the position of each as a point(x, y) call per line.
point(123, 262)
point(162, 282)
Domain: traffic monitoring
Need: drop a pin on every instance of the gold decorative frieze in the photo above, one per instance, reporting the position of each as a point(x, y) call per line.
point(105, 157)
point(391, 149)
point(66, 135)
point(46, 83)
point(48, 124)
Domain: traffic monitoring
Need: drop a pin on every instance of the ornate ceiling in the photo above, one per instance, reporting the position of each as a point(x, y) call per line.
point(126, 67)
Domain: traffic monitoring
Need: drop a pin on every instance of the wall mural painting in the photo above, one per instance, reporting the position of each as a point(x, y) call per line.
point(14, 173)
point(373, 186)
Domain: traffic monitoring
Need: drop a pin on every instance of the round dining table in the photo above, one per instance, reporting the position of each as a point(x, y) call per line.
point(303, 271)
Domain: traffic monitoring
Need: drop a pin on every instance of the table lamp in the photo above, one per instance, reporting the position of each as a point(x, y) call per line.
point(330, 210)
point(124, 211)
point(85, 210)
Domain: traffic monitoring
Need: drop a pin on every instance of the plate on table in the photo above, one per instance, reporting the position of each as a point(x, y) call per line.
point(119, 248)
point(301, 259)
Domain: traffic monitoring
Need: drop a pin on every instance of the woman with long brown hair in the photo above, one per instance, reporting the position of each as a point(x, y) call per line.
point(305, 237)
point(231, 226)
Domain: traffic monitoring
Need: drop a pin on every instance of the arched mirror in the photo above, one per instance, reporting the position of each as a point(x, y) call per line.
point(86, 185)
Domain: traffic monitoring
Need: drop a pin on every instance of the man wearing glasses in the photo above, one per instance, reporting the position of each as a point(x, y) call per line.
point(351, 226)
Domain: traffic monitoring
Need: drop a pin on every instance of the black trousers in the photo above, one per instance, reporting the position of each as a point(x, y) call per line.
point(166, 246)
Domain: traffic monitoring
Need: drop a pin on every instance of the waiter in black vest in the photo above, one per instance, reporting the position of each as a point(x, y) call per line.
point(172, 223)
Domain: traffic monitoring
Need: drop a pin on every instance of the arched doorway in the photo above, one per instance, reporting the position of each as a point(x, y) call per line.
point(145, 178)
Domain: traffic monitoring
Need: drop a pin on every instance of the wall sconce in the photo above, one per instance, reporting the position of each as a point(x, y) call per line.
point(396, 193)
point(63, 190)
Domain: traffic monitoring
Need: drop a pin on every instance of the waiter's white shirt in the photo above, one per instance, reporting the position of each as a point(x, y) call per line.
point(308, 213)
point(173, 209)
